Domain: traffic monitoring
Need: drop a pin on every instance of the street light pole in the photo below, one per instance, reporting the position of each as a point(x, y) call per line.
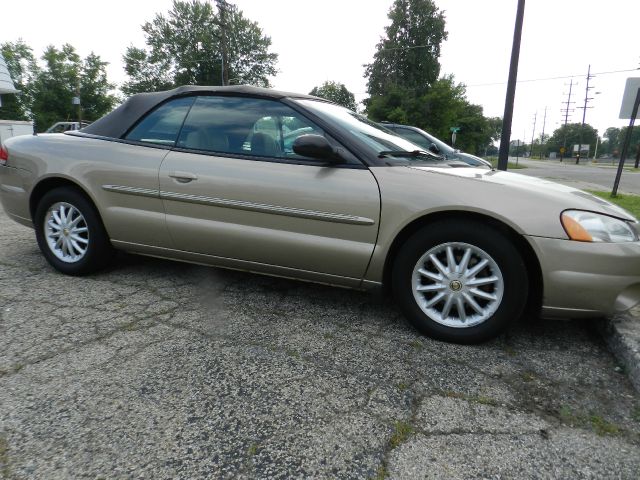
point(505, 138)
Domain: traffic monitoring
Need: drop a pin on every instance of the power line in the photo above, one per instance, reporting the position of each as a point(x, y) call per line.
point(553, 78)
point(537, 79)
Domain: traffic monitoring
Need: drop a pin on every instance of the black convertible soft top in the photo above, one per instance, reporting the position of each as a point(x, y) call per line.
point(118, 122)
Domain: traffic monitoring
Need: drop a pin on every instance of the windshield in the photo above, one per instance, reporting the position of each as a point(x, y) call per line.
point(382, 141)
point(443, 147)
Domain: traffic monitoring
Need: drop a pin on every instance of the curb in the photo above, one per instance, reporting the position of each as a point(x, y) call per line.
point(622, 335)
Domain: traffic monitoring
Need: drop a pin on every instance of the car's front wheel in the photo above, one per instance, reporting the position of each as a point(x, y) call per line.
point(70, 233)
point(461, 282)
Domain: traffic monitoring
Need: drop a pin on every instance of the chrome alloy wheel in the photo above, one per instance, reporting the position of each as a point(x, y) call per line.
point(457, 285)
point(66, 232)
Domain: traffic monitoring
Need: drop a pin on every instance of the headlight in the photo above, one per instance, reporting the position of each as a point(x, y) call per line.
point(594, 227)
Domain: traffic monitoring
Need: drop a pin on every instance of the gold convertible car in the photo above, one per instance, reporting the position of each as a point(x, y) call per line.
point(295, 186)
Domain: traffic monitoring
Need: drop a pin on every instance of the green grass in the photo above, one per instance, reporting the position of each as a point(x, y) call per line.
point(594, 422)
point(472, 398)
point(628, 202)
point(381, 473)
point(602, 427)
point(402, 431)
point(402, 386)
point(510, 165)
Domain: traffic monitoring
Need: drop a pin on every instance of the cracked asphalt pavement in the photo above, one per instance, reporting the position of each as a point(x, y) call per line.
point(155, 369)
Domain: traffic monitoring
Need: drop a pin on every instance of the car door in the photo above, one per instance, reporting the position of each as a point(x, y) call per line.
point(234, 189)
point(127, 181)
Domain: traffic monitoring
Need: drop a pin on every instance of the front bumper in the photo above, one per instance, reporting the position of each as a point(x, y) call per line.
point(13, 193)
point(587, 279)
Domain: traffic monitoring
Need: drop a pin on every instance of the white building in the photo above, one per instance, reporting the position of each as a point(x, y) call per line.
point(10, 128)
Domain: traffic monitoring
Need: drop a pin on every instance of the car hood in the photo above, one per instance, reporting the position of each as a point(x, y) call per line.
point(462, 156)
point(564, 196)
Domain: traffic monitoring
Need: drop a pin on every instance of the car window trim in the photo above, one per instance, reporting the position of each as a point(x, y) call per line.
point(119, 140)
point(258, 158)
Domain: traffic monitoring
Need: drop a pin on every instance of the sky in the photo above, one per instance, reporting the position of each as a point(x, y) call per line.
point(333, 39)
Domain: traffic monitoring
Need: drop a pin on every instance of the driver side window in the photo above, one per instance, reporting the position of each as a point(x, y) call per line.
point(243, 125)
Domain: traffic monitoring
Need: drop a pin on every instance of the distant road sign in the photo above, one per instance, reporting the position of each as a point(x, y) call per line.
point(562, 149)
point(629, 97)
point(455, 129)
point(585, 148)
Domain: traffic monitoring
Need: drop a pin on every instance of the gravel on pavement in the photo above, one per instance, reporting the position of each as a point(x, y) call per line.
point(156, 369)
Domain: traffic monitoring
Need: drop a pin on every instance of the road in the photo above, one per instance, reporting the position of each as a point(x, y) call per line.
point(154, 369)
point(585, 176)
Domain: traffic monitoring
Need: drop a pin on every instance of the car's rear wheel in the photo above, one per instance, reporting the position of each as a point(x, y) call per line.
point(461, 282)
point(70, 233)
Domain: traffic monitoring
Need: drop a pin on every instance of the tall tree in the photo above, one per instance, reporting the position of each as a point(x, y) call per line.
point(443, 106)
point(408, 55)
point(63, 76)
point(22, 67)
point(197, 44)
point(335, 92)
point(612, 134)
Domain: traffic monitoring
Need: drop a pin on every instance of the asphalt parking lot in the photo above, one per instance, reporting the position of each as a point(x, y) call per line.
point(587, 176)
point(155, 369)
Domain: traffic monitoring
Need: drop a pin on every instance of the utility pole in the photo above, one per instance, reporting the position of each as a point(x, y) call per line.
point(222, 12)
point(505, 138)
point(584, 113)
point(544, 124)
point(566, 111)
point(535, 118)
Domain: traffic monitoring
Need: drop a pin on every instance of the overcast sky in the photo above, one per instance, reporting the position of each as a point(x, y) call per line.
point(332, 39)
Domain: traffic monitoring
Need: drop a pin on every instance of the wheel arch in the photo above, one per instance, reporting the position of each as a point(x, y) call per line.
point(532, 263)
point(47, 184)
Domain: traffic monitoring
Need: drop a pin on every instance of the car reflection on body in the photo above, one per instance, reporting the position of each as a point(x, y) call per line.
point(295, 186)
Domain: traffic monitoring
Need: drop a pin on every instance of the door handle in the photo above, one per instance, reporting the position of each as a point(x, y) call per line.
point(183, 177)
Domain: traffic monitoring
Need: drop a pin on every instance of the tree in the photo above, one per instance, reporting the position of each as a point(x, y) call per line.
point(64, 76)
point(634, 143)
point(572, 133)
point(494, 128)
point(145, 74)
point(407, 57)
point(443, 106)
point(22, 67)
point(337, 93)
point(191, 43)
point(48, 88)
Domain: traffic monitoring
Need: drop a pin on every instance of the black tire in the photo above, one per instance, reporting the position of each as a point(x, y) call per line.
point(99, 250)
point(481, 236)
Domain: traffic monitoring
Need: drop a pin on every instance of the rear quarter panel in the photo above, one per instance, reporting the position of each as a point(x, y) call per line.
point(91, 163)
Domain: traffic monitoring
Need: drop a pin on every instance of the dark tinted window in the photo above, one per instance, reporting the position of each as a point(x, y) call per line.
point(162, 125)
point(241, 125)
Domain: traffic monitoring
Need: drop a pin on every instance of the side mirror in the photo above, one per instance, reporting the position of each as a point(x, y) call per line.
point(434, 148)
point(315, 146)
